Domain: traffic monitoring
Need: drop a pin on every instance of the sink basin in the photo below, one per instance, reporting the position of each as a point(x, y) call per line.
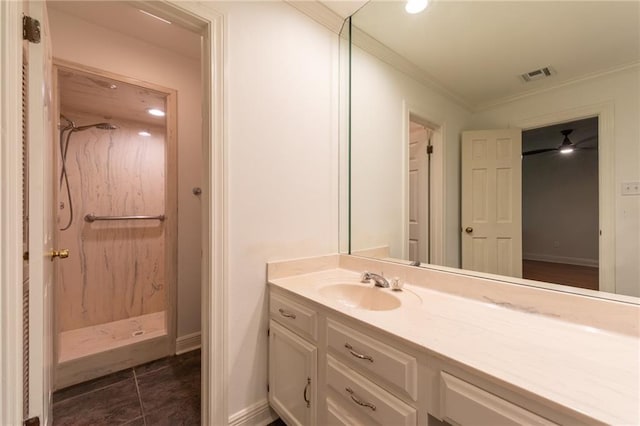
point(361, 296)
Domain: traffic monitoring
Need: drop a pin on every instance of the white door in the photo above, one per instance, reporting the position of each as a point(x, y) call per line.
point(292, 376)
point(492, 201)
point(418, 193)
point(40, 127)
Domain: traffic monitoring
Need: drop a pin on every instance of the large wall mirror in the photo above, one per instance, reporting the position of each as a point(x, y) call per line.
point(499, 137)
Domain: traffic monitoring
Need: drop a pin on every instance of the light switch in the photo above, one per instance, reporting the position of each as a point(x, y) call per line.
point(631, 188)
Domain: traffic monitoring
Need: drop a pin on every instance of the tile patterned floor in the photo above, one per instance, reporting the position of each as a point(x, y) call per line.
point(163, 392)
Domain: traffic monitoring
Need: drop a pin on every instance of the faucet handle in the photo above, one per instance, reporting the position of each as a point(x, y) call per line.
point(365, 277)
point(396, 284)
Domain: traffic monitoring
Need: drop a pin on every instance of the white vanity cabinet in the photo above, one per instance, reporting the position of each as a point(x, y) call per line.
point(293, 363)
point(325, 368)
point(466, 404)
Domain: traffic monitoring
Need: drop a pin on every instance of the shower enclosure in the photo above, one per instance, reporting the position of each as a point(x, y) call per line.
point(116, 214)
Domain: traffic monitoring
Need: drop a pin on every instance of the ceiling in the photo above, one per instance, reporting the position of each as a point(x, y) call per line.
point(93, 95)
point(478, 49)
point(126, 19)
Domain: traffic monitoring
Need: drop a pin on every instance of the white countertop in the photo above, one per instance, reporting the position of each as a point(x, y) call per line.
point(590, 371)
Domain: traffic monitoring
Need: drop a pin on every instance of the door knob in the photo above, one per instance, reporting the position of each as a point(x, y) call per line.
point(468, 230)
point(62, 254)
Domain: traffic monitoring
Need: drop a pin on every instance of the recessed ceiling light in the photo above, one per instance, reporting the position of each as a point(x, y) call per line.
point(416, 6)
point(156, 112)
point(144, 133)
point(154, 16)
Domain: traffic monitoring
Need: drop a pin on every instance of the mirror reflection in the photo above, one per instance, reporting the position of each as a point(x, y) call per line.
point(499, 137)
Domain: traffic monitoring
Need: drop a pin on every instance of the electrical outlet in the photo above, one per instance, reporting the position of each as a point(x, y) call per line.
point(631, 188)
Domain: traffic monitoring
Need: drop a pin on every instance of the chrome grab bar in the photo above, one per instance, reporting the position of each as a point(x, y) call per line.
point(92, 218)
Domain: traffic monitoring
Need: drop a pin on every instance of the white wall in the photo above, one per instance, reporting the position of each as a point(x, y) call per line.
point(379, 124)
point(282, 134)
point(85, 43)
point(623, 89)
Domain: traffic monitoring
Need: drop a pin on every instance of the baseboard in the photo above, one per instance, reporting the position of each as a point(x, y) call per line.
point(560, 259)
point(188, 343)
point(258, 414)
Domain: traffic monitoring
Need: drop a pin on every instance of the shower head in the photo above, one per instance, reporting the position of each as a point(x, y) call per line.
point(70, 124)
point(102, 126)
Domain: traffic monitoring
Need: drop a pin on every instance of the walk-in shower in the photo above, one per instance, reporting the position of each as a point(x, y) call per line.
point(114, 298)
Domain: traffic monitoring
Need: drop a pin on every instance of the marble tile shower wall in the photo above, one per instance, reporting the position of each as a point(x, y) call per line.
point(116, 268)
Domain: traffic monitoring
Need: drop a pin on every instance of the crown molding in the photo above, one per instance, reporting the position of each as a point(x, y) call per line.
point(399, 62)
point(319, 13)
point(390, 57)
point(570, 82)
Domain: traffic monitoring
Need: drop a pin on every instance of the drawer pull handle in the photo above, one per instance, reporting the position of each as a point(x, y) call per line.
point(287, 314)
point(359, 401)
point(356, 354)
point(304, 394)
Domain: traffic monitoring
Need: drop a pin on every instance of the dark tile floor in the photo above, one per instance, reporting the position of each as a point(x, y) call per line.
point(163, 392)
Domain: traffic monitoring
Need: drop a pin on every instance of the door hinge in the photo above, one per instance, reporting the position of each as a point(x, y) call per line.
point(268, 332)
point(268, 388)
point(33, 421)
point(25, 256)
point(429, 149)
point(30, 29)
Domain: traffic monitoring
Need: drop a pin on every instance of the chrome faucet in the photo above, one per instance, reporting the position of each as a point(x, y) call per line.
point(378, 280)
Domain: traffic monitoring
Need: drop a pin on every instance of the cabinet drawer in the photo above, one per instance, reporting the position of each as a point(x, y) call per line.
point(366, 398)
point(467, 404)
point(340, 416)
point(393, 366)
point(293, 315)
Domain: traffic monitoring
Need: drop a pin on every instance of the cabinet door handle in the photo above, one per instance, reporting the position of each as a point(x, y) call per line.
point(359, 401)
point(304, 393)
point(287, 314)
point(356, 354)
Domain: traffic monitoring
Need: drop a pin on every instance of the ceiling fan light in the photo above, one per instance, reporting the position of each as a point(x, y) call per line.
point(566, 150)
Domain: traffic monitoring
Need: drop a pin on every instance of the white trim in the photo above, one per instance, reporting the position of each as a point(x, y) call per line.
point(606, 178)
point(258, 414)
point(188, 343)
point(344, 114)
point(541, 257)
point(11, 273)
point(319, 13)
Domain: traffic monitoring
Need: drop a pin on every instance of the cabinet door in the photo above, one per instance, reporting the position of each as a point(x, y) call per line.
point(292, 376)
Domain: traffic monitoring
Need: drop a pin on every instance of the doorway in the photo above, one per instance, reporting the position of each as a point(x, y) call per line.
point(71, 40)
point(560, 203)
point(423, 243)
point(115, 294)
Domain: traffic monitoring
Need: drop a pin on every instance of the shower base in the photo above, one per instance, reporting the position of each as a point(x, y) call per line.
point(90, 352)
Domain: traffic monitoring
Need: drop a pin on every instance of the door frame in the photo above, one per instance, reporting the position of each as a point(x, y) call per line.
point(11, 263)
point(202, 18)
point(170, 195)
point(606, 178)
point(436, 184)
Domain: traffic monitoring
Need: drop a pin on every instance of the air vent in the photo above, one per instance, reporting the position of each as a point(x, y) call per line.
point(537, 74)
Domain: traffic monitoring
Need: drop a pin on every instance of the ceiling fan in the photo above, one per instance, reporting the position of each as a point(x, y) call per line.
point(565, 147)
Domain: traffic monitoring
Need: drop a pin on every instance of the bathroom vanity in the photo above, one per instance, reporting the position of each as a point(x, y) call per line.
point(342, 352)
